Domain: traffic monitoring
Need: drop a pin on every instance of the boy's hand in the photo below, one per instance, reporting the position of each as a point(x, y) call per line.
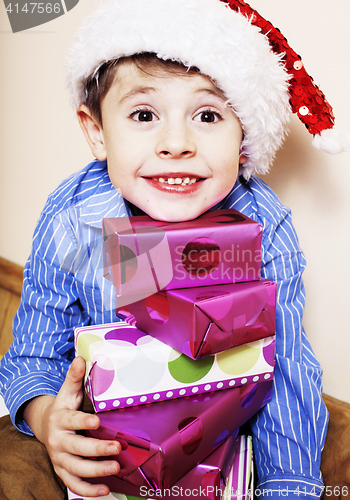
point(55, 420)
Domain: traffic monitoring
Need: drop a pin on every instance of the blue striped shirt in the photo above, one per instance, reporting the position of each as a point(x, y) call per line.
point(63, 287)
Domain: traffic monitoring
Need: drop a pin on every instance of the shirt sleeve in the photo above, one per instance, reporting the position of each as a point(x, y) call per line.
point(289, 433)
point(43, 346)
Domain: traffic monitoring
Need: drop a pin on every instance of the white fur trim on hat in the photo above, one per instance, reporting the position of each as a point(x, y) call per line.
point(207, 34)
point(333, 141)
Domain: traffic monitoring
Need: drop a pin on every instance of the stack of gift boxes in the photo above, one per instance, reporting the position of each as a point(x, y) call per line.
point(191, 361)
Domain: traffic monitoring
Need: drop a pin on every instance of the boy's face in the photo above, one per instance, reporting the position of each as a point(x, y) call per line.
point(171, 144)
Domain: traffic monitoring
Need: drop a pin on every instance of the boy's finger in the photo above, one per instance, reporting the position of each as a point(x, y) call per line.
point(82, 467)
point(72, 386)
point(81, 487)
point(76, 371)
point(89, 447)
point(73, 420)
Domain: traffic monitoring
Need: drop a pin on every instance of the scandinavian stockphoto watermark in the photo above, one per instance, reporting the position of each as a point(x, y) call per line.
point(26, 14)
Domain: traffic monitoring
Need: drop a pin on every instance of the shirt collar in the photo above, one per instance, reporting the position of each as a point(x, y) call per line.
point(106, 201)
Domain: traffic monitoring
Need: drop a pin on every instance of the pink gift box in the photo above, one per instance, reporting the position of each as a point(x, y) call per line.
point(143, 256)
point(206, 320)
point(127, 367)
point(163, 441)
point(228, 473)
point(206, 480)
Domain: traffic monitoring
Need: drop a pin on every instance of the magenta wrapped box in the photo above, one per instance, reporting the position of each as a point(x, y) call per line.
point(143, 256)
point(206, 320)
point(163, 441)
point(206, 480)
point(227, 474)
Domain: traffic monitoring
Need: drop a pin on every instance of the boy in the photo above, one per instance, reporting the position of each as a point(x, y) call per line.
point(172, 142)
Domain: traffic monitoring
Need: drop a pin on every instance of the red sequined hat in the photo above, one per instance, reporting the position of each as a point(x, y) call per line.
point(306, 99)
point(244, 55)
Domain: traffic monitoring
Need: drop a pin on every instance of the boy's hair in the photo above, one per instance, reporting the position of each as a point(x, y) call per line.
point(98, 85)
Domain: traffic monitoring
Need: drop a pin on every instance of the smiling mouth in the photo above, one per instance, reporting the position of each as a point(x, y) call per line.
point(177, 181)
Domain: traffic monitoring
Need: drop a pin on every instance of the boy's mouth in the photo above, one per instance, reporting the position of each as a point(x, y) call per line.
point(177, 180)
point(182, 183)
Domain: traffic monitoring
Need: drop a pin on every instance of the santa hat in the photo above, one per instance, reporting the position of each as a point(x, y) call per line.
point(245, 55)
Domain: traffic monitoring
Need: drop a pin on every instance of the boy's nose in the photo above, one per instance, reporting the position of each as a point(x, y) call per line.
point(176, 143)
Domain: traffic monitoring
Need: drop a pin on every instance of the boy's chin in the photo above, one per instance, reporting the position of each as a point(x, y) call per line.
point(179, 210)
point(179, 215)
point(179, 218)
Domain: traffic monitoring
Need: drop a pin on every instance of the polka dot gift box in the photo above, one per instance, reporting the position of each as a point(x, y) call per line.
point(143, 256)
point(126, 367)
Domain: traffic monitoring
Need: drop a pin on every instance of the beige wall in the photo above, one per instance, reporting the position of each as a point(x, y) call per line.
point(41, 144)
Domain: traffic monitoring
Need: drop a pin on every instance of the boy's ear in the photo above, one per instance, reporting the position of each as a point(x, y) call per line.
point(242, 159)
point(93, 132)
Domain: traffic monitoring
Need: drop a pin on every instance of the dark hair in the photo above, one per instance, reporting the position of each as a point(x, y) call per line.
point(99, 83)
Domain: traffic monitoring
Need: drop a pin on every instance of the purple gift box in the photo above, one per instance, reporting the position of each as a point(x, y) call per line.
point(143, 256)
point(206, 320)
point(163, 441)
point(227, 473)
point(206, 480)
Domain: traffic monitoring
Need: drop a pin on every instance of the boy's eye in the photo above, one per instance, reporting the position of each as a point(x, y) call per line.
point(207, 117)
point(143, 116)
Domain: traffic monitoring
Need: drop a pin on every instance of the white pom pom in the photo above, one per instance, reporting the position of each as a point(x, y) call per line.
point(334, 140)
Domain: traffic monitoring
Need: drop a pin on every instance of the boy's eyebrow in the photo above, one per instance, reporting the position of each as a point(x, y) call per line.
point(212, 91)
point(146, 90)
point(135, 91)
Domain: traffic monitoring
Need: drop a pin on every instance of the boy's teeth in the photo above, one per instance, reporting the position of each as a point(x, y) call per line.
point(177, 180)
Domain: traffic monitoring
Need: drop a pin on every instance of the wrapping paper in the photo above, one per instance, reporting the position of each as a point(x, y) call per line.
point(142, 255)
point(206, 320)
point(205, 481)
point(227, 474)
point(126, 367)
point(163, 441)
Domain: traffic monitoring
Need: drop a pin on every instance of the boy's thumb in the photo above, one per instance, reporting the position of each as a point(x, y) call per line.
point(77, 369)
point(72, 386)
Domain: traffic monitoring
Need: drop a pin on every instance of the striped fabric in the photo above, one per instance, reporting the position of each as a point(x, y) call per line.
point(240, 483)
point(64, 288)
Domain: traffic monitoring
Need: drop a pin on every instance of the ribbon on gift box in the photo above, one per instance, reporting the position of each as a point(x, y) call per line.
point(206, 320)
point(126, 367)
point(143, 256)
